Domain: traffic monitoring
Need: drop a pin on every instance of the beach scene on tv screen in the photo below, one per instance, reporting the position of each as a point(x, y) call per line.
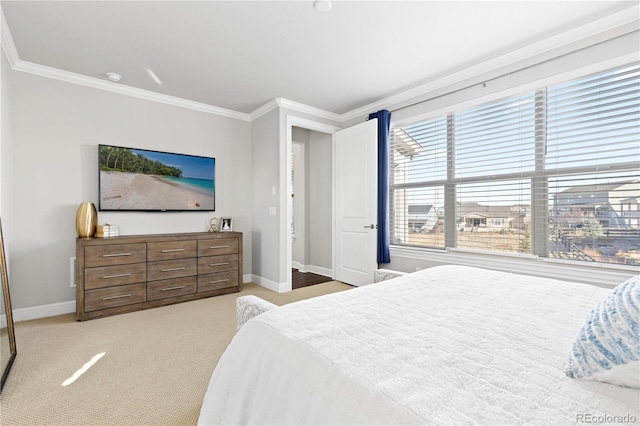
point(134, 179)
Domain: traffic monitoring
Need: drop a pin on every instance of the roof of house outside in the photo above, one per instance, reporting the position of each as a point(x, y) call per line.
point(599, 187)
point(477, 210)
point(420, 208)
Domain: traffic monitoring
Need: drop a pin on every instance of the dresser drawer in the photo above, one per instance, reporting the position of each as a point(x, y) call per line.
point(114, 254)
point(111, 297)
point(216, 246)
point(109, 276)
point(213, 264)
point(168, 250)
point(171, 269)
point(164, 289)
point(217, 281)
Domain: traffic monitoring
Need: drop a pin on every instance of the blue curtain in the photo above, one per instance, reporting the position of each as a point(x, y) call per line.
point(384, 120)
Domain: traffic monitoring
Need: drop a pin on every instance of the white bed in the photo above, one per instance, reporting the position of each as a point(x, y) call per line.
point(446, 345)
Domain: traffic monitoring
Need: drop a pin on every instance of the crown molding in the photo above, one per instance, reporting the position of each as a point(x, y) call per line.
point(316, 112)
point(122, 89)
point(624, 21)
point(295, 106)
point(10, 51)
point(8, 45)
point(264, 109)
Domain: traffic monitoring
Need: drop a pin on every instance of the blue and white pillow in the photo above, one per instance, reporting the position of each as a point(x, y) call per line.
point(607, 348)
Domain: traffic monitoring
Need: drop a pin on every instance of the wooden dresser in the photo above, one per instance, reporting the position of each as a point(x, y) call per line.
point(129, 273)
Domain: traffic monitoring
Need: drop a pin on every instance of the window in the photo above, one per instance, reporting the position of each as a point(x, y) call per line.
point(417, 173)
point(553, 173)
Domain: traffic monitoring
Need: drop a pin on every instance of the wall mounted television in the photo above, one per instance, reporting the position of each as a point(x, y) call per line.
point(132, 179)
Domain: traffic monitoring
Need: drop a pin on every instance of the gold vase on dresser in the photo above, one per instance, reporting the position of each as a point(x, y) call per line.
point(86, 220)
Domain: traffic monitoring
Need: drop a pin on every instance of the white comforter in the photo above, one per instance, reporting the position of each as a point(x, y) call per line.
point(447, 345)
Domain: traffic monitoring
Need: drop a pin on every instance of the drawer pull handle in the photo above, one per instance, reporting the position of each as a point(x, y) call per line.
point(117, 297)
point(106, 277)
point(218, 281)
point(116, 254)
point(172, 250)
point(173, 288)
point(219, 264)
point(217, 247)
point(182, 268)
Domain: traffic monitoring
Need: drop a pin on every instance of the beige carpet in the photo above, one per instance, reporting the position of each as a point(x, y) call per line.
point(155, 369)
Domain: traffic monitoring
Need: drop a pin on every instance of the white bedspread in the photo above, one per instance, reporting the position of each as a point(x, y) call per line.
point(446, 345)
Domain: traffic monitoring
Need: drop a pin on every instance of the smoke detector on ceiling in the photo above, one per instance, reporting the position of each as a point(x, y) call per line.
point(322, 5)
point(114, 77)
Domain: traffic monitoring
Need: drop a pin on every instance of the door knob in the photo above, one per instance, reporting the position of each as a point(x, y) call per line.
point(372, 226)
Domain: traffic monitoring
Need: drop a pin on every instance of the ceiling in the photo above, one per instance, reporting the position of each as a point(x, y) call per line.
point(239, 55)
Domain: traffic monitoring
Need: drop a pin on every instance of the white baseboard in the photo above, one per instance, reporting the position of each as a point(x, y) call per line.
point(321, 271)
point(299, 266)
point(44, 311)
point(271, 285)
point(313, 269)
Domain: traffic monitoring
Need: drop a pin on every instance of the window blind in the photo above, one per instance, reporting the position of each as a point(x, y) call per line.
point(554, 173)
point(593, 164)
point(494, 145)
point(417, 171)
point(496, 139)
point(594, 121)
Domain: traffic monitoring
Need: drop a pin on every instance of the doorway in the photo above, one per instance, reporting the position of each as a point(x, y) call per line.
point(311, 207)
point(318, 129)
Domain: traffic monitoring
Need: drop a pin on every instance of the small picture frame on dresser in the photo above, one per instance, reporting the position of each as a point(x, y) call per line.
point(226, 224)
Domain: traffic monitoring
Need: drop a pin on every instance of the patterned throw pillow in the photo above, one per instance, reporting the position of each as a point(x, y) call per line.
point(607, 348)
point(250, 306)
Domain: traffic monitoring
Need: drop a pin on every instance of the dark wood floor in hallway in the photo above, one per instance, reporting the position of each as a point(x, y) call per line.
point(304, 279)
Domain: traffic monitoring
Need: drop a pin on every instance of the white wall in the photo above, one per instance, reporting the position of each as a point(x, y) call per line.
point(57, 127)
point(299, 249)
point(6, 166)
point(320, 200)
point(6, 144)
point(266, 180)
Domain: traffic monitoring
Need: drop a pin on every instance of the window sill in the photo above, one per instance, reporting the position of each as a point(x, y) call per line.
point(599, 274)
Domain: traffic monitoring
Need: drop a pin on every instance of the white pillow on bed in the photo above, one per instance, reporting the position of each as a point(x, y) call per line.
point(607, 348)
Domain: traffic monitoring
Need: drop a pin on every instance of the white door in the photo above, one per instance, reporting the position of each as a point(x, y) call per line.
point(356, 177)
